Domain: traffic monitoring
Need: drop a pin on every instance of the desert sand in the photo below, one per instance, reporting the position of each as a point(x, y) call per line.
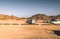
point(12, 29)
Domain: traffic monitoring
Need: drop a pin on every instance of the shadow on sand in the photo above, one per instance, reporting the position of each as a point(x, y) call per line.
point(57, 32)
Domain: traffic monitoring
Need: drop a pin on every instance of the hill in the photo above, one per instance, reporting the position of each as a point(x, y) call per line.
point(4, 17)
point(54, 17)
point(44, 17)
point(39, 16)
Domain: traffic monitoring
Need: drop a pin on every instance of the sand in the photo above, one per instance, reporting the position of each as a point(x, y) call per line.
point(12, 29)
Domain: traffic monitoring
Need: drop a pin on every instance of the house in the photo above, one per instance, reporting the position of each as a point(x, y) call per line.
point(56, 21)
point(31, 21)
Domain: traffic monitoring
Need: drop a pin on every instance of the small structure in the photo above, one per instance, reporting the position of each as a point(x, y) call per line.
point(31, 21)
point(56, 21)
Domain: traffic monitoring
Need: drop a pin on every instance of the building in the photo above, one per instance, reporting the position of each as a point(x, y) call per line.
point(56, 21)
point(31, 21)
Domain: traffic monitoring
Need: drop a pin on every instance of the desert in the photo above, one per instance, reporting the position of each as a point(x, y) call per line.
point(29, 19)
point(13, 29)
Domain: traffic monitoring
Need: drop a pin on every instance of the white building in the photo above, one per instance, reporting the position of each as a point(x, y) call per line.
point(57, 21)
point(31, 21)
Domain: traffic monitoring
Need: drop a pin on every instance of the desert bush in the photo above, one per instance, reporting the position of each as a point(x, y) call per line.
point(15, 24)
point(51, 37)
point(6, 23)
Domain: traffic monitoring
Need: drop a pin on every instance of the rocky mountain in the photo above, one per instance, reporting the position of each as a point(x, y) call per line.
point(54, 17)
point(40, 16)
point(44, 17)
point(37, 16)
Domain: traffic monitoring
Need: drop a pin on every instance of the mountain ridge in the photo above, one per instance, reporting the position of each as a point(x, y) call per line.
point(37, 16)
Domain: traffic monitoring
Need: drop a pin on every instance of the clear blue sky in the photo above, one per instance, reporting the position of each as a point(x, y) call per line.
point(27, 8)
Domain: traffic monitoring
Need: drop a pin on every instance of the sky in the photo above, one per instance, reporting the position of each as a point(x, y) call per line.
point(27, 8)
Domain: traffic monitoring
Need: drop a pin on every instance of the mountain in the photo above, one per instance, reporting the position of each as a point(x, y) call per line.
point(37, 16)
point(40, 17)
point(54, 17)
point(44, 17)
